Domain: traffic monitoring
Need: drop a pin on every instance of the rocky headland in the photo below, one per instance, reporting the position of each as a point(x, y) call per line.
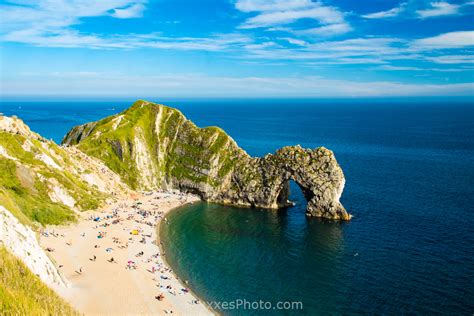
point(152, 146)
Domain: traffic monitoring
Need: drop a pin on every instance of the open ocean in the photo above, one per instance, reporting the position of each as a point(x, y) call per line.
point(409, 169)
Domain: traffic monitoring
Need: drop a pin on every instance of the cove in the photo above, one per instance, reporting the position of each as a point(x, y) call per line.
point(229, 254)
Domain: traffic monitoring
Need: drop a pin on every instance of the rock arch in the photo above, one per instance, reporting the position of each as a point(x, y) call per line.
point(318, 175)
point(316, 172)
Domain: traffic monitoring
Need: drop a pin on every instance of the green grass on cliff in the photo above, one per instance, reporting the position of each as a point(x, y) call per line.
point(103, 148)
point(23, 293)
point(189, 150)
point(24, 188)
point(29, 204)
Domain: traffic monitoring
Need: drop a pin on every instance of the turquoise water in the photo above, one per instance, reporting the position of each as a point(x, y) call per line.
point(409, 168)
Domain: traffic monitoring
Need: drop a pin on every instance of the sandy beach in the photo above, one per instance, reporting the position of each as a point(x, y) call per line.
point(112, 263)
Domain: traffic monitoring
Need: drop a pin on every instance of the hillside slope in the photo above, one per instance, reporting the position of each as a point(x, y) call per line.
point(23, 293)
point(44, 183)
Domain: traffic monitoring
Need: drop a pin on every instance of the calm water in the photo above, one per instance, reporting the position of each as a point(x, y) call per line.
point(409, 169)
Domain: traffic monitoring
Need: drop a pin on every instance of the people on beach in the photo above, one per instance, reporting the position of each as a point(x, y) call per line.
point(119, 226)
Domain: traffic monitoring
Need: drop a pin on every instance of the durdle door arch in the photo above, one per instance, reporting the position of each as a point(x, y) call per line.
point(322, 190)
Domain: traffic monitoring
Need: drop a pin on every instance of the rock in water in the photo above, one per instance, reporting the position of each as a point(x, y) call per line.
point(152, 146)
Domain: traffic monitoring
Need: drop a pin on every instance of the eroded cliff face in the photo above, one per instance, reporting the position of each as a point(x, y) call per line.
point(42, 183)
point(152, 146)
point(21, 241)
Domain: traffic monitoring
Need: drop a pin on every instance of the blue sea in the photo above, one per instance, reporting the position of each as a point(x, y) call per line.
point(409, 168)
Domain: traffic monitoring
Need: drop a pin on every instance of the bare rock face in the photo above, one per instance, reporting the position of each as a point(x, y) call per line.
point(21, 241)
point(152, 146)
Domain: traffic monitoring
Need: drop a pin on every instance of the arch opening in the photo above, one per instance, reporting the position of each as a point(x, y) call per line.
point(292, 193)
point(284, 195)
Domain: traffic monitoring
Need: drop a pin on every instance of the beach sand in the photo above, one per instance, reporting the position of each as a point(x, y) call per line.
point(128, 285)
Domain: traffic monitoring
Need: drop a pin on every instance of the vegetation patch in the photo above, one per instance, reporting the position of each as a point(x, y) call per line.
point(23, 293)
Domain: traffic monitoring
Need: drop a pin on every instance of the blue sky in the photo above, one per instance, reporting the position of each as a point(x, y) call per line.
point(236, 48)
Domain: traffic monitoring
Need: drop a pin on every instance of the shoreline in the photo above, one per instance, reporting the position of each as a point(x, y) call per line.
point(165, 260)
point(113, 261)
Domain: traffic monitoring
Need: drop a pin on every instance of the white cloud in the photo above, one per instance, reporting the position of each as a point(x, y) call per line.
point(271, 5)
point(346, 61)
point(439, 9)
point(398, 68)
point(69, 84)
point(133, 11)
point(459, 39)
point(452, 59)
point(219, 42)
point(328, 30)
point(49, 14)
point(325, 15)
point(59, 38)
point(260, 46)
point(49, 23)
point(353, 51)
point(71, 39)
point(371, 50)
point(272, 14)
point(421, 10)
point(404, 68)
point(295, 41)
point(384, 14)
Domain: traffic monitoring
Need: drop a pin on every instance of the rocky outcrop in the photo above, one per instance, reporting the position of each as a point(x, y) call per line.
point(152, 146)
point(14, 125)
point(80, 132)
point(315, 171)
